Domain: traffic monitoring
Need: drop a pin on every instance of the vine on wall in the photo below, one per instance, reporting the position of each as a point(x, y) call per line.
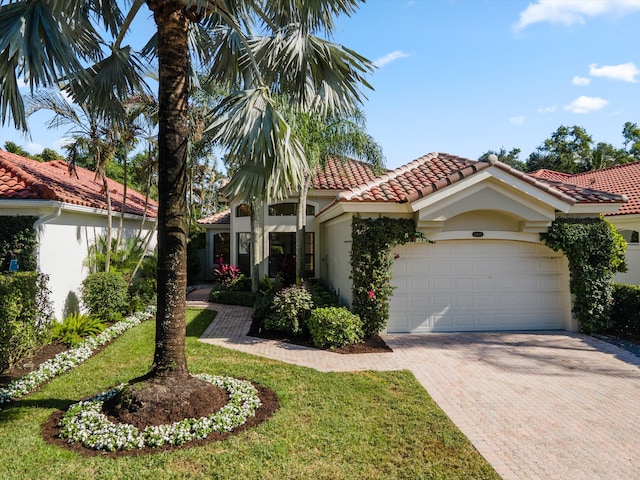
point(371, 262)
point(18, 241)
point(595, 251)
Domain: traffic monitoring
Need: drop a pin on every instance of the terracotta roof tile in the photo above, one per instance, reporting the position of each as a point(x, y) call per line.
point(220, 218)
point(341, 175)
point(24, 178)
point(436, 171)
point(621, 179)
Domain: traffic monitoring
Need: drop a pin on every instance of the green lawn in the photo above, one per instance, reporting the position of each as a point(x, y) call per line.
point(329, 426)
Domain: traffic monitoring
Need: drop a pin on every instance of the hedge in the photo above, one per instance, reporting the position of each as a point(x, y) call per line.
point(625, 311)
point(25, 314)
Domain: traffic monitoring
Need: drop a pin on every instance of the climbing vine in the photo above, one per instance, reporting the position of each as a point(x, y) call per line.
point(595, 252)
point(371, 262)
point(17, 241)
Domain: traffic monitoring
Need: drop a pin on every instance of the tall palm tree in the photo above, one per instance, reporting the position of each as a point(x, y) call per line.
point(323, 137)
point(50, 42)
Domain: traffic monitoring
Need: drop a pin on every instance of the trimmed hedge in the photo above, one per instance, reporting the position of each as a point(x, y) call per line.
point(334, 327)
point(25, 314)
point(229, 297)
point(18, 240)
point(106, 295)
point(625, 311)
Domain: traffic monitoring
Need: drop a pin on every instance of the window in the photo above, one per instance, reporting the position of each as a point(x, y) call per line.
point(243, 210)
point(288, 210)
point(282, 255)
point(221, 248)
point(630, 236)
point(244, 253)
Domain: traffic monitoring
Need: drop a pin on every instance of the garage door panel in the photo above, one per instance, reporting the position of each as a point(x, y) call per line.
point(475, 286)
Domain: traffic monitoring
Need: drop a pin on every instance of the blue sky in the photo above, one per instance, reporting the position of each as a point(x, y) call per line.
point(466, 76)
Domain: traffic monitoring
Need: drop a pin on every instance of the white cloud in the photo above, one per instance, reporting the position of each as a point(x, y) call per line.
point(581, 80)
point(519, 120)
point(390, 57)
point(59, 144)
point(584, 105)
point(33, 148)
point(570, 12)
point(627, 72)
point(550, 109)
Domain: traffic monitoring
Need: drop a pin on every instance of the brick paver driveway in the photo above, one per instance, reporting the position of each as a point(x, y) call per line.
point(536, 405)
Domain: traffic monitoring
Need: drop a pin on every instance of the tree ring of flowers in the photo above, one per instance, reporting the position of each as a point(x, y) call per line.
point(85, 423)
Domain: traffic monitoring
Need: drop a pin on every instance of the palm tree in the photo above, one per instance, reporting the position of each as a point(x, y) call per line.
point(52, 42)
point(323, 137)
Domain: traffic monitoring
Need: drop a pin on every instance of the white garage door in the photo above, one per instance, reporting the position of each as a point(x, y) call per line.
point(479, 285)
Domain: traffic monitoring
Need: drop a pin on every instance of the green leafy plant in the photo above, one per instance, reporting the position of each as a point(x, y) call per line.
point(595, 252)
point(105, 295)
point(75, 328)
point(230, 297)
point(334, 327)
point(625, 312)
point(25, 314)
point(291, 308)
point(322, 295)
point(371, 262)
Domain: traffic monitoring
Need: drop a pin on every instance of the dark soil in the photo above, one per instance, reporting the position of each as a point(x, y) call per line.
point(373, 344)
point(162, 401)
point(28, 364)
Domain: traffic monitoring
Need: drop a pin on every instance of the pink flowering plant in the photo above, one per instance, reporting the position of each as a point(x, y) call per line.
point(226, 275)
point(371, 263)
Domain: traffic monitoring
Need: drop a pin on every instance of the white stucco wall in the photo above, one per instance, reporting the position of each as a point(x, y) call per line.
point(63, 243)
point(335, 256)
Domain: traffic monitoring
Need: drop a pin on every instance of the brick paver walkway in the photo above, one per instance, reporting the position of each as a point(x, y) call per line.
point(537, 405)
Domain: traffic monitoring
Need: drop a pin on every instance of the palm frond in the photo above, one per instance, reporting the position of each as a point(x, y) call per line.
point(251, 128)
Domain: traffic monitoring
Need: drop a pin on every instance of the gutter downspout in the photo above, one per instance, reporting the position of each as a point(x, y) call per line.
point(41, 221)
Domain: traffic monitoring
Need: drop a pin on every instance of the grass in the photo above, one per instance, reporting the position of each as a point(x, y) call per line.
point(330, 425)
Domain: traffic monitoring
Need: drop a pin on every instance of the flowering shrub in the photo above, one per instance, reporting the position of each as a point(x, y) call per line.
point(371, 262)
point(226, 275)
point(71, 358)
point(291, 307)
point(85, 423)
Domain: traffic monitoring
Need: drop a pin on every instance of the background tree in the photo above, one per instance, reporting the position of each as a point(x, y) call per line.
point(511, 158)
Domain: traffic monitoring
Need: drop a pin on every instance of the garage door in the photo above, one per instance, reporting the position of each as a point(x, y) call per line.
point(481, 285)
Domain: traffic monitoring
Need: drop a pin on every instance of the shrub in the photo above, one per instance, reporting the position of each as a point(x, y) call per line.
point(229, 297)
point(291, 308)
point(321, 294)
point(226, 275)
point(105, 295)
point(625, 311)
point(142, 293)
point(262, 308)
point(25, 314)
point(18, 241)
point(75, 328)
point(334, 327)
point(242, 284)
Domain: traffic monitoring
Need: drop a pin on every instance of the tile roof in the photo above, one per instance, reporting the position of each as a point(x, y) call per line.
point(27, 179)
point(220, 218)
point(622, 179)
point(435, 171)
point(341, 175)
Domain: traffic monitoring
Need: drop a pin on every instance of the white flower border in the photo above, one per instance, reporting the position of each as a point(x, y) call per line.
point(85, 423)
point(71, 358)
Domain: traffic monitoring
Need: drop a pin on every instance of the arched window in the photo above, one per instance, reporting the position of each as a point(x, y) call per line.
point(288, 210)
point(243, 210)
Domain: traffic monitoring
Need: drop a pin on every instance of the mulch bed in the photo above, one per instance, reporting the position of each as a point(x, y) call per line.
point(270, 405)
point(29, 364)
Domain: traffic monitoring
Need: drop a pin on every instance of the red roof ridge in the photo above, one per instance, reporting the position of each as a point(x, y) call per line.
point(385, 177)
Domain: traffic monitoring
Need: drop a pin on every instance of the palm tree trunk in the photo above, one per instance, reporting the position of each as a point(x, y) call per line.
point(256, 243)
point(301, 223)
point(107, 253)
point(173, 61)
point(122, 205)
